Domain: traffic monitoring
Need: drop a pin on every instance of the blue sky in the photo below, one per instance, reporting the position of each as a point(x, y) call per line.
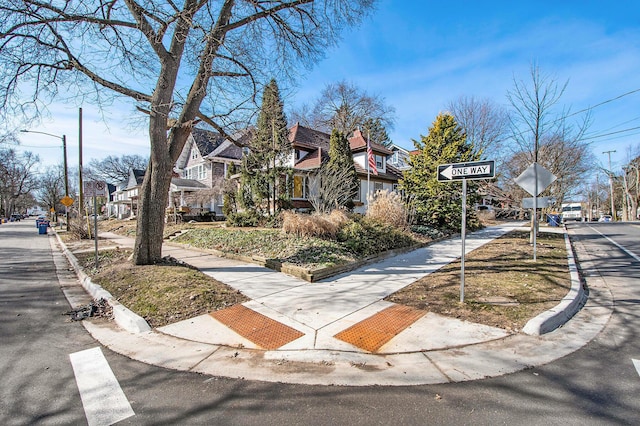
point(419, 55)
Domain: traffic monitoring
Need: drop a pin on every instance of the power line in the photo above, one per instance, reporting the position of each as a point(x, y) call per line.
point(603, 103)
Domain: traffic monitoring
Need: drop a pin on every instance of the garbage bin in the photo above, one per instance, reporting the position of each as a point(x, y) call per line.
point(42, 227)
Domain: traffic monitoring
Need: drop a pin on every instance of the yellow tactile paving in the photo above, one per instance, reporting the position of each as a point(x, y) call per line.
point(260, 329)
point(372, 333)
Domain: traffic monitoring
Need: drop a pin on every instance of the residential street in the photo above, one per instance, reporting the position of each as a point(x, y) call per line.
point(597, 384)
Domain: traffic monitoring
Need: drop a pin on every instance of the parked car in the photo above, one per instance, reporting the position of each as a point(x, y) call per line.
point(605, 218)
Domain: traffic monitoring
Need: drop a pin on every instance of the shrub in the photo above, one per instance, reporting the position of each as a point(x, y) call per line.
point(388, 207)
point(365, 236)
point(247, 218)
point(427, 231)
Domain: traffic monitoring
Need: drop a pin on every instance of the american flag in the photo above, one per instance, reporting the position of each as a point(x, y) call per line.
point(372, 160)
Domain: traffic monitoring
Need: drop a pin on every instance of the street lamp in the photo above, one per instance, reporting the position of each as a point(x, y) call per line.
point(66, 174)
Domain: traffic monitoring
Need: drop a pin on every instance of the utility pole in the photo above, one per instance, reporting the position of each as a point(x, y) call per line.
point(610, 171)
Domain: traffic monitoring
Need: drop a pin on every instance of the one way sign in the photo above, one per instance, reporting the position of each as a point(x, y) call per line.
point(472, 170)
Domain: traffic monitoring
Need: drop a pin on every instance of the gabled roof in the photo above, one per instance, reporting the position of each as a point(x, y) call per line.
point(358, 143)
point(228, 149)
point(304, 137)
point(206, 140)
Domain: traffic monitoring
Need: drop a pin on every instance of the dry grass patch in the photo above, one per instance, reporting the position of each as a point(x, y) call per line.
point(163, 293)
point(388, 207)
point(313, 225)
point(503, 286)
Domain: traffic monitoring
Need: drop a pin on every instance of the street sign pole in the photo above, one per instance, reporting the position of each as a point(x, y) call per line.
point(463, 236)
point(464, 171)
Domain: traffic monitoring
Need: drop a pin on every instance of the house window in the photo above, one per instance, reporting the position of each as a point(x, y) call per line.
point(300, 187)
point(194, 153)
point(198, 172)
point(379, 162)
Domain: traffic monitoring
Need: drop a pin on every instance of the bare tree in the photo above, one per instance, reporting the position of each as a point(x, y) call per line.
point(331, 188)
point(568, 159)
point(179, 62)
point(484, 122)
point(114, 169)
point(51, 188)
point(16, 177)
point(534, 122)
point(345, 107)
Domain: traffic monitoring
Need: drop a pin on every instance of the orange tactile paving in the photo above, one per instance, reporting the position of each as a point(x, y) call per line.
point(260, 329)
point(372, 333)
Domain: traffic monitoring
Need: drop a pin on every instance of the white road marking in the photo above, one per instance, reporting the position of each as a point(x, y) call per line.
point(636, 363)
point(629, 252)
point(102, 398)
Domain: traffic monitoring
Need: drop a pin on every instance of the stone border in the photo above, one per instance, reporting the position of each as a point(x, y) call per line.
point(568, 306)
point(125, 318)
point(310, 275)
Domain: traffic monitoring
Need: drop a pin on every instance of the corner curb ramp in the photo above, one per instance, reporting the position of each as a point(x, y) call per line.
point(351, 368)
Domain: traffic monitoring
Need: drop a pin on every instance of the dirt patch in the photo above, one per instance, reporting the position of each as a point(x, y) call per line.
point(162, 294)
point(503, 286)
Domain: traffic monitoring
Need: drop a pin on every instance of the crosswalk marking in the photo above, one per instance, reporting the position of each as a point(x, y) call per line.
point(102, 397)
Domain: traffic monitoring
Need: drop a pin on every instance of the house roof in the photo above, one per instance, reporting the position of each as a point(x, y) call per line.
point(313, 160)
point(357, 143)
point(304, 137)
point(187, 184)
point(206, 140)
point(392, 174)
point(227, 149)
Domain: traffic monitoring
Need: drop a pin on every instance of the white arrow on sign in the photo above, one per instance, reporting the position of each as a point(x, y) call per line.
point(448, 172)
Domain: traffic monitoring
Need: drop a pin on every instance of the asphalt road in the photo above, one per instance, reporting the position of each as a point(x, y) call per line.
point(595, 385)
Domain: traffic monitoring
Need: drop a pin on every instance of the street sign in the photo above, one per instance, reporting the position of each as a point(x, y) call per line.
point(527, 179)
point(94, 188)
point(67, 201)
point(542, 202)
point(471, 170)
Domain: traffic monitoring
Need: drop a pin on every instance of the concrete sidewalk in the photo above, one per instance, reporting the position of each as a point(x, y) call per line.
point(340, 330)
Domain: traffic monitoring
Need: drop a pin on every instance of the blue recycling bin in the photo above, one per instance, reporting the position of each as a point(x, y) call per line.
point(553, 219)
point(42, 227)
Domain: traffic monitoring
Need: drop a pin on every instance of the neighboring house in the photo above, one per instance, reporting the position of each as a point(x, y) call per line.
point(399, 157)
point(124, 199)
point(311, 147)
point(201, 170)
point(387, 176)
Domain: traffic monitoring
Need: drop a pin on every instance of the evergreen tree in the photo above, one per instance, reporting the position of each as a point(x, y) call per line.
point(341, 159)
point(376, 132)
point(269, 150)
point(438, 204)
point(230, 191)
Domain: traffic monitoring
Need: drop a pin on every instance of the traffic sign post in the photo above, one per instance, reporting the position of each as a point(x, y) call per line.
point(535, 179)
point(95, 189)
point(465, 171)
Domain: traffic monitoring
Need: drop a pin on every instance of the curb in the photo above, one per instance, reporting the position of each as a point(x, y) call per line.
point(125, 318)
point(568, 306)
